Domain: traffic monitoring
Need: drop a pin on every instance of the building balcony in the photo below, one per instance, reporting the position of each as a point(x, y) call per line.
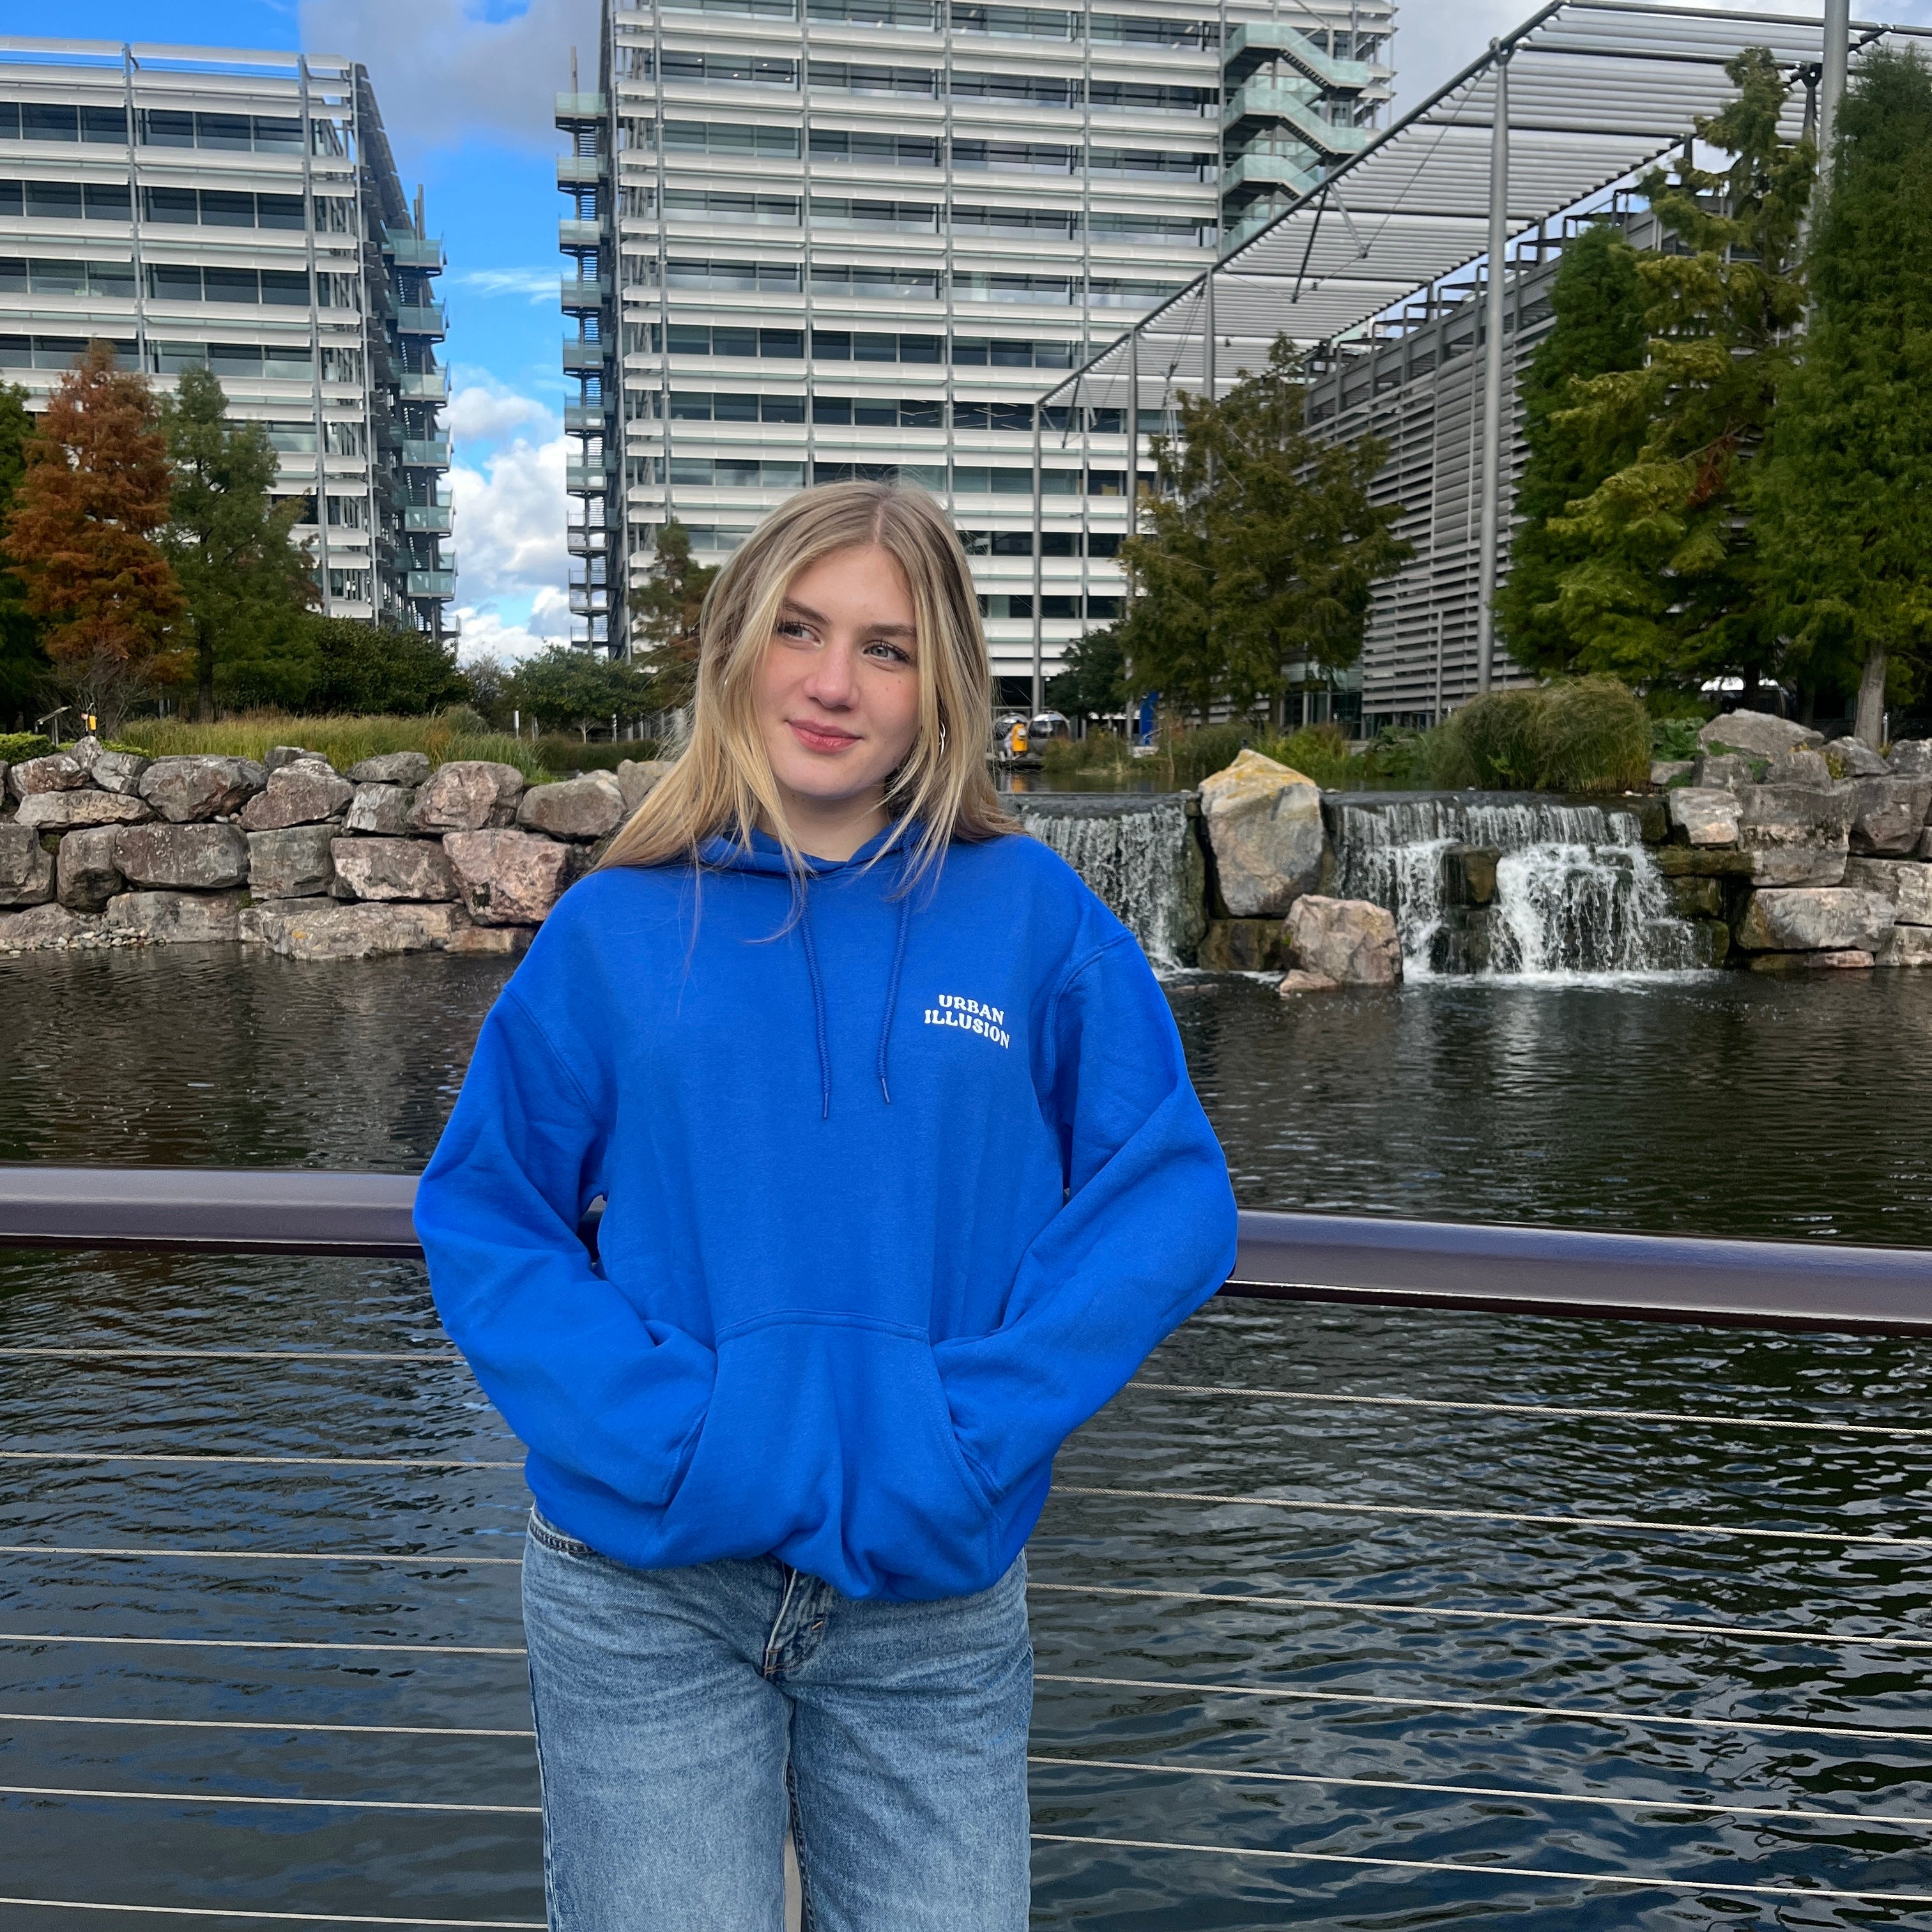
point(412, 250)
point(425, 385)
point(581, 170)
point(584, 418)
point(433, 518)
point(580, 234)
point(572, 108)
point(581, 477)
point(1266, 171)
point(429, 319)
point(427, 454)
point(588, 600)
point(1278, 100)
point(431, 582)
point(1257, 41)
point(582, 356)
point(584, 293)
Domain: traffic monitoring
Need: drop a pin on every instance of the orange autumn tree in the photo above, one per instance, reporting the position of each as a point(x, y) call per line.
point(82, 531)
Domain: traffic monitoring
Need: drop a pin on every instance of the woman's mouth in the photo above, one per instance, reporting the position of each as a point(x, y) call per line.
point(820, 737)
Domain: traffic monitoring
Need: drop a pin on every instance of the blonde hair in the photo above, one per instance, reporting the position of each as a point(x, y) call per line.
point(722, 784)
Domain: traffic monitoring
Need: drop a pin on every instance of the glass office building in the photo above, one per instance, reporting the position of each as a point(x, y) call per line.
point(241, 212)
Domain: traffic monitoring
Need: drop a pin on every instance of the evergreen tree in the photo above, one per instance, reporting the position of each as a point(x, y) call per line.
point(1260, 547)
point(371, 668)
point(83, 532)
point(1094, 677)
point(24, 666)
point(1598, 300)
point(247, 585)
point(1844, 511)
point(568, 686)
point(664, 615)
point(1670, 586)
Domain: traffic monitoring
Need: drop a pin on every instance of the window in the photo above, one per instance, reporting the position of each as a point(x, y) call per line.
point(904, 150)
point(1013, 288)
point(53, 201)
point(1147, 95)
point(687, 406)
point(1106, 293)
point(836, 211)
point(771, 211)
point(732, 472)
point(877, 282)
point(972, 480)
point(231, 133)
point(849, 77)
point(214, 207)
point(714, 539)
point(722, 137)
point(109, 201)
point(43, 121)
point(1025, 88)
point(349, 513)
point(347, 439)
point(284, 288)
point(1204, 167)
point(704, 339)
point(1010, 352)
point(878, 412)
point(728, 70)
point(759, 10)
point(56, 351)
point(352, 585)
point(1047, 23)
point(294, 439)
point(1128, 30)
point(1063, 223)
point(922, 16)
point(41, 278)
point(342, 365)
point(782, 277)
point(1035, 158)
point(1176, 230)
point(926, 476)
point(993, 416)
point(334, 214)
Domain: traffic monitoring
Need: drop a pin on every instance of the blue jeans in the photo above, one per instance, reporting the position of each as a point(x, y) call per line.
point(685, 1717)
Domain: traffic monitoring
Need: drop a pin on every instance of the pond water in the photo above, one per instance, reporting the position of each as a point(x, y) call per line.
point(1495, 1669)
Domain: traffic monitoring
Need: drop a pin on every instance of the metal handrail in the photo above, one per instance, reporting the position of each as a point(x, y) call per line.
point(1556, 1271)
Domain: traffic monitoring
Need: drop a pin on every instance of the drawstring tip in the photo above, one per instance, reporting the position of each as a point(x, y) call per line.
point(886, 1090)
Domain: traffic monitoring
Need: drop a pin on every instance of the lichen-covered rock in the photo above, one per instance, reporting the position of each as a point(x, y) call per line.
point(392, 868)
point(1888, 814)
point(1905, 883)
point(26, 867)
point(1665, 771)
point(1814, 919)
point(292, 862)
point(119, 771)
point(176, 918)
point(1906, 945)
point(44, 928)
point(1717, 770)
point(183, 858)
point(1800, 765)
point(508, 878)
point(1758, 733)
point(297, 794)
point(1706, 815)
point(88, 874)
point(467, 795)
point(280, 755)
point(186, 791)
point(1352, 941)
point(395, 768)
point(585, 807)
point(1264, 822)
point(84, 751)
point(327, 929)
point(1796, 835)
point(638, 778)
point(1911, 758)
point(63, 811)
point(1853, 758)
point(381, 809)
point(59, 771)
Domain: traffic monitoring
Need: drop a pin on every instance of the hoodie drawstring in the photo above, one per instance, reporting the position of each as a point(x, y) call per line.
point(818, 1008)
point(892, 993)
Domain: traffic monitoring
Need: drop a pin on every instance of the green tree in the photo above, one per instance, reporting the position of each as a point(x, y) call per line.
point(1598, 300)
point(25, 668)
point(371, 668)
point(1669, 588)
point(1260, 547)
point(247, 585)
point(1094, 677)
point(665, 614)
point(567, 686)
point(1844, 507)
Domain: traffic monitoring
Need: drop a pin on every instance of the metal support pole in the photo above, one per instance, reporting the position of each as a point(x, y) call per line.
point(1831, 80)
point(1039, 647)
point(1493, 376)
point(1208, 338)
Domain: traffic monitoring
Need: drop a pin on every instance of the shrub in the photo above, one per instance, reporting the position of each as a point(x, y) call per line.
point(1675, 738)
point(572, 754)
point(1585, 734)
point(16, 746)
point(343, 740)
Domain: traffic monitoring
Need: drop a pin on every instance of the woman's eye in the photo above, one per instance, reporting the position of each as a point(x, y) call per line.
point(891, 653)
point(791, 628)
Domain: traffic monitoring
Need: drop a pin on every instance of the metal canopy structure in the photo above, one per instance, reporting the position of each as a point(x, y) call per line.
point(1596, 90)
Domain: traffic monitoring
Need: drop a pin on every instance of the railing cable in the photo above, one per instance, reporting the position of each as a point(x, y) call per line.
point(83, 1350)
point(256, 1556)
point(247, 1462)
point(280, 1918)
point(28, 1638)
point(286, 1804)
point(301, 1729)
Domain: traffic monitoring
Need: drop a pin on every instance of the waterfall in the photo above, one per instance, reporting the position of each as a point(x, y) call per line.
point(1137, 851)
point(1576, 891)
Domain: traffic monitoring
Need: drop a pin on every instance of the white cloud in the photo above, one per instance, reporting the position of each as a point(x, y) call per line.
point(509, 518)
point(535, 285)
point(481, 410)
point(487, 633)
point(445, 75)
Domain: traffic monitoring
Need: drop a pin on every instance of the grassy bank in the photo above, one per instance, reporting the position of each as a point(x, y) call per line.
point(343, 741)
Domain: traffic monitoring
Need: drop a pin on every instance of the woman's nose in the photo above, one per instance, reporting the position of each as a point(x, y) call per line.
point(830, 680)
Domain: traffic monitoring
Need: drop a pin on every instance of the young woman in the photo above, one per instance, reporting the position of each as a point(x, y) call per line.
point(904, 1177)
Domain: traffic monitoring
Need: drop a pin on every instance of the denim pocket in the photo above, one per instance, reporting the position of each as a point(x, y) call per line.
point(546, 1532)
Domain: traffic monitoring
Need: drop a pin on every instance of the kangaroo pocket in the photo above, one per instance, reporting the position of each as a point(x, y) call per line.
point(829, 1443)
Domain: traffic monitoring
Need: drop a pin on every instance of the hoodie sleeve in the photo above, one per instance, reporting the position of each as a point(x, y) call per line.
point(581, 1376)
point(1147, 1234)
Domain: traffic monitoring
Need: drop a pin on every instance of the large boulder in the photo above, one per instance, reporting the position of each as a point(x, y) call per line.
point(327, 929)
point(382, 809)
point(85, 750)
point(1800, 766)
point(1907, 946)
point(1842, 959)
point(1853, 758)
point(63, 811)
point(1888, 814)
point(1796, 835)
point(183, 858)
point(26, 867)
point(585, 807)
point(88, 875)
point(1706, 815)
point(292, 862)
point(1758, 733)
point(508, 878)
point(1814, 919)
point(300, 794)
point(176, 918)
point(1906, 883)
point(185, 790)
point(59, 771)
point(392, 868)
point(467, 795)
point(1715, 769)
point(120, 771)
point(393, 768)
point(1911, 758)
point(638, 778)
point(1264, 824)
point(1351, 941)
point(44, 928)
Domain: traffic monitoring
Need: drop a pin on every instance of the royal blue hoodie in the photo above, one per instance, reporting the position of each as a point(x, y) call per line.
point(900, 1186)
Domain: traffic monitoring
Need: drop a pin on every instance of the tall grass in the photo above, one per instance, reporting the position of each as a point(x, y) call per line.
point(1584, 734)
point(343, 741)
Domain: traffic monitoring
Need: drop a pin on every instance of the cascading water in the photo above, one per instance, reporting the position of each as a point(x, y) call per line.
point(1138, 853)
point(1575, 890)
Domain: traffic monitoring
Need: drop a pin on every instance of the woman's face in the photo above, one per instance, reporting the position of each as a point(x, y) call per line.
point(839, 691)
